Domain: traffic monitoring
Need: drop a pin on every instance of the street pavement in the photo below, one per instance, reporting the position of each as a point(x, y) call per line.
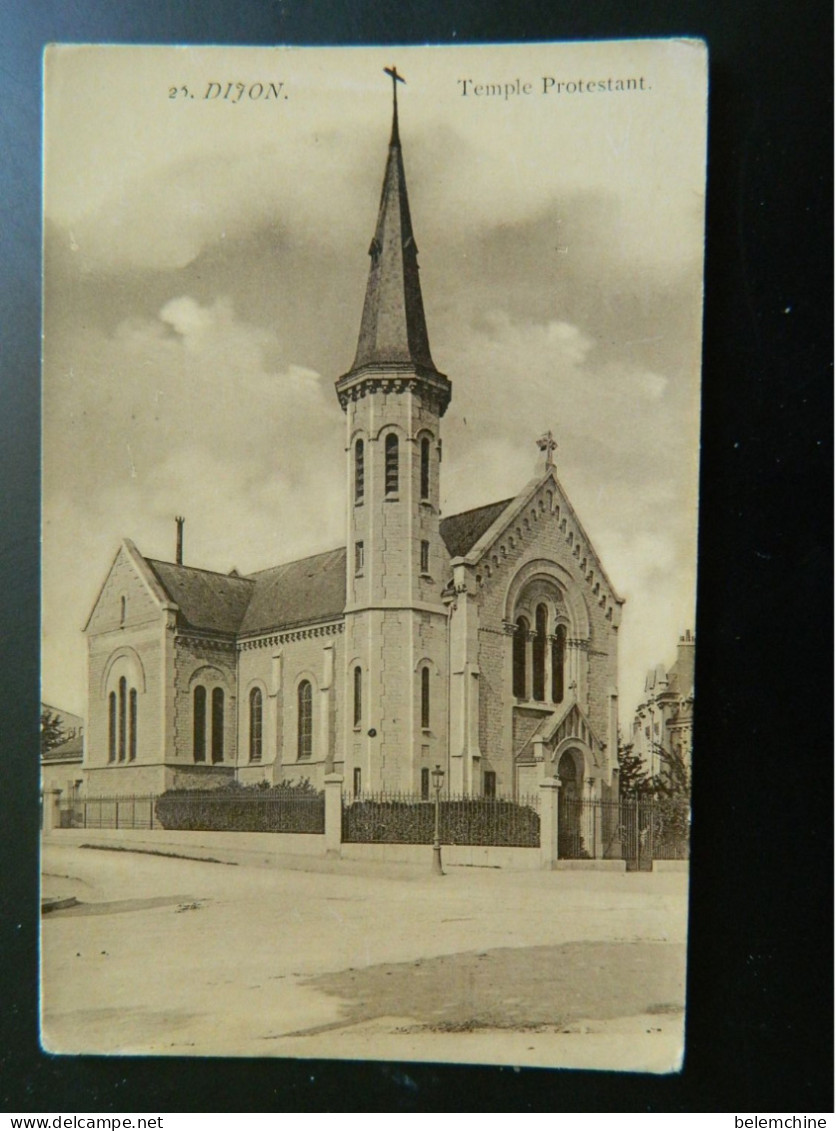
point(170, 956)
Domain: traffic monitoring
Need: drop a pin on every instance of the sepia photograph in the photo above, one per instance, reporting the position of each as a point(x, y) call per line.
point(368, 593)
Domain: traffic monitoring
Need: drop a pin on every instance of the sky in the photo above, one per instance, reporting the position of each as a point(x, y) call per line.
point(205, 261)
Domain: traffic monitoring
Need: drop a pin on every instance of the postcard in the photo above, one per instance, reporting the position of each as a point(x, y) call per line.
point(371, 384)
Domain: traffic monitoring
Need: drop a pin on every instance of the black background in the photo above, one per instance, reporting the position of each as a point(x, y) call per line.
point(760, 986)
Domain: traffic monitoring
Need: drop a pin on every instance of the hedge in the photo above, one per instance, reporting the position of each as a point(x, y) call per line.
point(283, 808)
point(480, 821)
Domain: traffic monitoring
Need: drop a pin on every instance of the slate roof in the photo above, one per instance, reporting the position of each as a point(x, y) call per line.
point(462, 531)
point(301, 592)
point(308, 591)
point(393, 328)
point(207, 600)
point(69, 751)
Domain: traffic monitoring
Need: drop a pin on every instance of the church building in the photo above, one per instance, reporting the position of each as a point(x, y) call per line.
point(484, 642)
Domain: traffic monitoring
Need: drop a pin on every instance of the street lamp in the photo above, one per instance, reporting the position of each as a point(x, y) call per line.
point(438, 778)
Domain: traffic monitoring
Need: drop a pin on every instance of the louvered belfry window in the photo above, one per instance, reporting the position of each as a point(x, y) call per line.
point(391, 464)
point(425, 469)
point(359, 472)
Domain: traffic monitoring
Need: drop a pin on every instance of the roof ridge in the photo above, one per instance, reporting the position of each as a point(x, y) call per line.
point(481, 507)
point(199, 569)
point(293, 561)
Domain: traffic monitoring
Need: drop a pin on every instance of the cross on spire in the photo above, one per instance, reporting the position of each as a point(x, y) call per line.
point(548, 444)
point(392, 72)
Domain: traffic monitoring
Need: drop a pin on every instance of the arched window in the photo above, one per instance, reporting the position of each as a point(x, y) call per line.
point(111, 730)
point(305, 720)
point(538, 655)
point(255, 725)
point(199, 725)
point(519, 650)
point(132, 725)
point(425, 698)
point(358, 695)
point(558, 658)
point(391, 464)
point(217, 725)
point(425, 468)
point(359, 472)
point(123, 718)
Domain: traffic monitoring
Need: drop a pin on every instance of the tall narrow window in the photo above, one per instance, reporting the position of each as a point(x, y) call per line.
point(123, 608)
point(199, 725)
point(358, 695)
point(123, 718)
point(425, 557)
point(305, 719)
point(425, 698)
point(111, 730)
point(359, 559)
point(359, 472)
point(425, 469)
point(490, 783)
point(391, 464)
point(357, 781)
point(132, 725)
point(538, 656)
point(255, 725)
point(558, 660)
point(425, 784)
point(218, 725)
point(519, 649)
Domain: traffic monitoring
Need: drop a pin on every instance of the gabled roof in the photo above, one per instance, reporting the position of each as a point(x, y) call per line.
point(301, 592)
point(507, 513)
point(462, 531)
point(206, 600)
point(306, 591)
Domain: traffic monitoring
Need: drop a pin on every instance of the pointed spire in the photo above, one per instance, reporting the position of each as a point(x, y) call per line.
point(393, 330)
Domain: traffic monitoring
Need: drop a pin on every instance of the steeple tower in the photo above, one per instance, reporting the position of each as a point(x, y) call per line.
point(393, 329)
point(394, 397)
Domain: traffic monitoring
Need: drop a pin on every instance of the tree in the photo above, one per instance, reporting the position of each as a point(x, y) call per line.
point(674, 780)
point(52, 730)
point(632, 775)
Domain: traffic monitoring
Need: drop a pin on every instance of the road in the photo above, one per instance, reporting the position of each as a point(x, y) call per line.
point(172, 956)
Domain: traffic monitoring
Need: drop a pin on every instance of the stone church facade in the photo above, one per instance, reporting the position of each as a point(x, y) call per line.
point(484, 642)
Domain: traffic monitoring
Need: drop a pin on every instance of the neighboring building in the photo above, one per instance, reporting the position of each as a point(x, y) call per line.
point(61, 767)
point(485, 642)
point(663, 721)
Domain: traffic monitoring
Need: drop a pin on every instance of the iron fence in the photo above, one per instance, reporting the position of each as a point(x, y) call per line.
point(129, 811)
point(406, 818)
point(215, 810)
point(637, 831)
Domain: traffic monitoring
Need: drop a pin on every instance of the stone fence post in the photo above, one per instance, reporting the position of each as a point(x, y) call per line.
point(549, 793)
point(51, 811)
point(333, 814)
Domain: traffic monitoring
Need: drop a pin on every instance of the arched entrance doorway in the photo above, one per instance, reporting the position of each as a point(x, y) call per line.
point(570, 844)
point(570, 806)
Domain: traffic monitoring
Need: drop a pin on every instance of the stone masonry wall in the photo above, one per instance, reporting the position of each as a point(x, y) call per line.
point(547, 531)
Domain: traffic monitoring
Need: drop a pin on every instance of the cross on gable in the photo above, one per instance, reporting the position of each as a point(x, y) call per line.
point(548, 444)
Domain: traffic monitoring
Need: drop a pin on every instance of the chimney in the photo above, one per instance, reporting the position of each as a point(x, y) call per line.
point(685, 661)
point(179, 520)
